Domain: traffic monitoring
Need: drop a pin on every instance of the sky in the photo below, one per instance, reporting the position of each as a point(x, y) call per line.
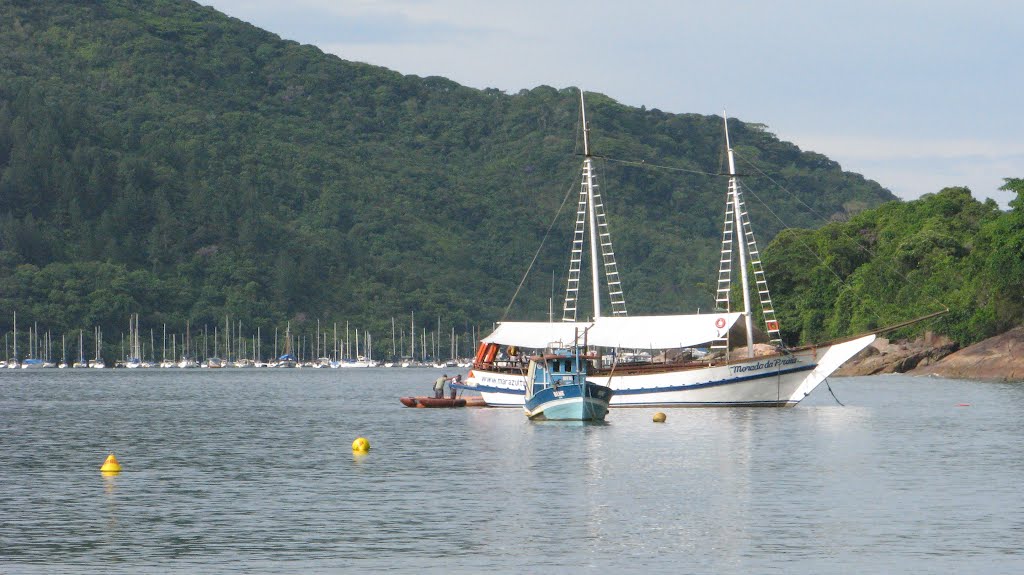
point(917, 95)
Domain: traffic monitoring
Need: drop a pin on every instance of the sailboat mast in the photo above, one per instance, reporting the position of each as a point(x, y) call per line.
point(591, 215)
point(741, 244)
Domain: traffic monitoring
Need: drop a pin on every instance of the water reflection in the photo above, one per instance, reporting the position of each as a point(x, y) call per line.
point(252, 473)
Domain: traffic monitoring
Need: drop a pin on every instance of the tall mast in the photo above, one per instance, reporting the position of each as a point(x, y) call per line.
point(590, 214)
point(741, 244)
point(592, 217)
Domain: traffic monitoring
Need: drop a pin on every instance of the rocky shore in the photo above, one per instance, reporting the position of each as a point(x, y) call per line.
point(999, 358)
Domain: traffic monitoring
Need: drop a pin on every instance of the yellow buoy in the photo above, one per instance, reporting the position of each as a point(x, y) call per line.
point(659, 417)
point(111, 465)
point(361, 445)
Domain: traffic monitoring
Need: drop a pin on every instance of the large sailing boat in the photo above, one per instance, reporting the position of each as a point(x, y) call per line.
point(726, 376)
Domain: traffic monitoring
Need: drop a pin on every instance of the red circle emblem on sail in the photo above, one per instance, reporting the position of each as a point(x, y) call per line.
point(720, 322)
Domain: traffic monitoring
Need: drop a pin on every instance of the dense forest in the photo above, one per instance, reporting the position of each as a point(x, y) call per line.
point(164, 159)
point(901, 261)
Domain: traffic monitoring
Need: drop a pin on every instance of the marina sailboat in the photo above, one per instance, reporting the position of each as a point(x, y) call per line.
point(135, 359)
point(187, 360)
point(97, 362)
point(82, 362)
point(287, 359)
point(12, 362)
point(32, 361)
point(697, 366)
point(166, 362)
point(216, 362)
point(63, 354)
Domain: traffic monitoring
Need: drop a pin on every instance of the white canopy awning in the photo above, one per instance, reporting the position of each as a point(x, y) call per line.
point(638, 332)
point(536, 334)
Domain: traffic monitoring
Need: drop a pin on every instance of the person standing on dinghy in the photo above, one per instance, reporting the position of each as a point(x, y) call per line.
point(439, 386)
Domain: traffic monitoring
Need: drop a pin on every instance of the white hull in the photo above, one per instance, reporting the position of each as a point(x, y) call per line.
point(351, 364)
point(778, 381)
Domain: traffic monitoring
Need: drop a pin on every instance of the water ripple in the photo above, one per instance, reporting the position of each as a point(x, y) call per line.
point(253, 472)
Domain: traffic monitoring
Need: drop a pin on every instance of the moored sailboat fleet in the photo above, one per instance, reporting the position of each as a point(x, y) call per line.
point(230, 349)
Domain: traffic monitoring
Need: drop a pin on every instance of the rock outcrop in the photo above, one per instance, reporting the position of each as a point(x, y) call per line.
point(999, 358)
point(884, 356)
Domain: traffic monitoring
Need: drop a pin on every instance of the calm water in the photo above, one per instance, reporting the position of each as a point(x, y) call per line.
point(252, 471)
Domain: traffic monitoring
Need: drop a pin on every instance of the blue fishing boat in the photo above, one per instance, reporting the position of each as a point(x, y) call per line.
point(557, 388)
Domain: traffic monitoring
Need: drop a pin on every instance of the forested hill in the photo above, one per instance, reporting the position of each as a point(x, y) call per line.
point(905, 260)
point(160, 157)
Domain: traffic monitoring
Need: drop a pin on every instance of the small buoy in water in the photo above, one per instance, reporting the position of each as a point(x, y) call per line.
point(111, 465)
point(963, 405)
point(361, 445)
point(659, 417)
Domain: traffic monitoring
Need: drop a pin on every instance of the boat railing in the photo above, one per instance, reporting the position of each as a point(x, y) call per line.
point(510, 365)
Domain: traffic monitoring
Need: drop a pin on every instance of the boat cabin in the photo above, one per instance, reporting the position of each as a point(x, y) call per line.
point(558, 367)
